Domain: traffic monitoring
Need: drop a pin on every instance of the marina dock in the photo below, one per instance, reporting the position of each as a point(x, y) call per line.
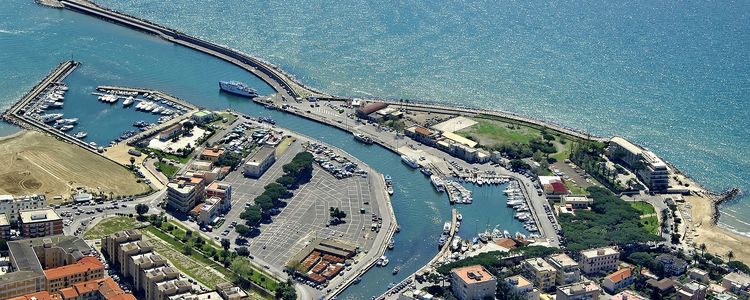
point(19, 113)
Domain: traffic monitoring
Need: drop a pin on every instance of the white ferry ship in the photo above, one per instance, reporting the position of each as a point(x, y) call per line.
point(409, 162)
point(238, 88)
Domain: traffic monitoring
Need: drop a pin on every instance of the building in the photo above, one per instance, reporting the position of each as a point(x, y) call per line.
point(618, 280)
point(422, 135)
point(586, 290)
point(553, 187)
point(212, 154)
point(540, 272)
point(567, 270)
point(227, 291)
point(11, 206)
point(472, 283)
point(140, 263)
point(204, 117)
point(673, 265)
point(576, 202)
point(111, 243)
point(4, 228)
point(647, 166)
point(663, 286)
point(29, 258)
point(259, 162)
point(40, 222)
point(627, 295)
point(165, 289)
point(223, 191)
point(520, 285)
point(102, 289)
point(184, 192)
point(86, 269)
point(368, 111)
point(737, 283)
point(207, 211)
point(692, 291)
point(698, 275)
point(599, 260)
point(170, 132)
point(202, 296)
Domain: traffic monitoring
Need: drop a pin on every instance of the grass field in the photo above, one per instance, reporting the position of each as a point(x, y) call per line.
point(167, 169)
point(110, 226)
point(575, 189)
point(490, 132)
point(643, 207)
point(220, 122)
point(651, 224)
point(36, 163)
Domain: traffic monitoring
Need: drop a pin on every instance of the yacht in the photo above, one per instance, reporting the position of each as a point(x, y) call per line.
point(506, 234)
point(383, 261)
point(128, 101)
point(389, 189)
point(237, 88)
point(66, 127)
point(81, 135)
point(409, 162)
point(459, 217)
point(437, 183)
point(363, 138)
point(51, 117)
point(447, 227)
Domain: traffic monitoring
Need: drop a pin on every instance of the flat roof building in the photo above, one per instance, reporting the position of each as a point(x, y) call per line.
point(184, 192)
point(567, 270)
point(472, 282)
point(223, 191)
point(650, 168)
point(85, 269)
point(40, 222)
point(586, 290)
point(521, 285)
point(599, 260)
point(4, 227)
point(259, 162)
point(540, 272)
point(229, 291)
point(11, 206)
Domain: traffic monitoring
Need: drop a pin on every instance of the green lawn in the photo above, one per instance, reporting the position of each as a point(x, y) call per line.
point(110, 226)
point(167, 169)
point(179, 159)
point(490, 132)
point(650, 223)
point(575, 189)
point(220, 122)
point(563, 154)
point(643, 207)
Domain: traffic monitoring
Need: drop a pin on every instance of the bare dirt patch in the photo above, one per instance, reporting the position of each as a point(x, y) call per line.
point(36, 163)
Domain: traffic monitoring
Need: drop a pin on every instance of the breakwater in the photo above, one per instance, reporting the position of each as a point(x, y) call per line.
point(282, 83)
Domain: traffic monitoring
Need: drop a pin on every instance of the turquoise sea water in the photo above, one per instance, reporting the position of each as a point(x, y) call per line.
point(673, 77)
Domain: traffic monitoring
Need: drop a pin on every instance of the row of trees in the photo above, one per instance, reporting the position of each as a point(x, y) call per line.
point(589, 156)
point(298, 171)
point(516, 150)
point(611, 221)
point(269, 199)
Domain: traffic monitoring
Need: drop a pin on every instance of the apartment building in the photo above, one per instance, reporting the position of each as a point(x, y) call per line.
point(223, 191)
point(184, 192)
point(586, 290)
point(86, 269)
point(521, 285)
point(599, 260)
point(540, 273)
point(40, 222)
point(472, 282)
point(567, 270)
point(12, 206)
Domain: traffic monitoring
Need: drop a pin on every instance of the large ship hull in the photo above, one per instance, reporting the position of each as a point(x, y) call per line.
point(234, 89)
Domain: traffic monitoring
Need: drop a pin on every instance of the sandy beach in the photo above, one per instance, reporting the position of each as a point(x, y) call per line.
point(718, 240)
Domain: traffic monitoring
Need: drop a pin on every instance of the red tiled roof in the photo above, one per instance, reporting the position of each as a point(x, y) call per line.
point(620, 275)
point(87, 263)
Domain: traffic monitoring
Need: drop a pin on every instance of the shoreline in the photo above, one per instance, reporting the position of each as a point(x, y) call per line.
point(706, 231)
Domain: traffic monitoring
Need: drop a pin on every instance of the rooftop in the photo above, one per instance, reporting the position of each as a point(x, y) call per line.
point(563, 260)
point(261, 154)
point(739, 278)
point(473, 274)
point(627, 295)
point(459, 139)
point(596, 252)
point(219, 186)
point(43, 295)
point(3, 220)
point(539, 264)
point(578, 288)
point(620, 275)
point(212, 152)
point(39, 215)
point(630, 147)
point(518, 281)
point(23, 254)
point(88, 263)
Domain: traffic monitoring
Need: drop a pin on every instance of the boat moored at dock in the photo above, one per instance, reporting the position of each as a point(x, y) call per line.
point(437, 183)
point(363, 138)
point(238, 88)
point(409, 162)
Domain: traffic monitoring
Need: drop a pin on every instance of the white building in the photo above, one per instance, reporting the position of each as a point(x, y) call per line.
point(472, 282)
point(649, 167)
point(599, 260)
point(12, 206)
point(259, 162)
point(521, 285)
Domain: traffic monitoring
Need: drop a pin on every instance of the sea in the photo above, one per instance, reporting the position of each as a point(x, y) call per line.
point(671, 76)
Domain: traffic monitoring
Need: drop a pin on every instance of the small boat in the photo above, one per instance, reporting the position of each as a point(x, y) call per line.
point(442, 241)
point(389, 189)
point(383, 261)
point(506, 234)
point(437, 183)
point(363, 138)
point(51, 117)
point(447, 227)
point(391, 244)
point(388, 178)
point(81, 135)
point(395, 270)
point(66, 127)
point(398, 228)
point(128, 101)
point(357, 280)
point(459, 217)
point(426, 171)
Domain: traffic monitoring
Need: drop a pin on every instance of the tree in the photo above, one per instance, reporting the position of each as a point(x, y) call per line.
point(285, 291)
point(187, 250)
point(252, 215)
point(242, 229)
point(132, 161)
point(730, 255)
point(337, 213)
point(702, 247)
point(141, 209)
point(3, 246)
point(243, 251)
point(225, 244)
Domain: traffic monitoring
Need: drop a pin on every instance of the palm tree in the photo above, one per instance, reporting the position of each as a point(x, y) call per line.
point(702, 247)
point(730, 255)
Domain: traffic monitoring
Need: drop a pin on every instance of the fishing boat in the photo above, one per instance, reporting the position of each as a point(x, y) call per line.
point(409, 162)
point(437, 183)
point(388, 179)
